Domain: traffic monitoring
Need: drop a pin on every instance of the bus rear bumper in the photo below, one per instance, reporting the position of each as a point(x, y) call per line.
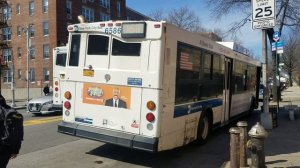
point(109, 136)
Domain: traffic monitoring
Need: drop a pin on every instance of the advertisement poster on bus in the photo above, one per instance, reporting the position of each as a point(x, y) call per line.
point(107, 95)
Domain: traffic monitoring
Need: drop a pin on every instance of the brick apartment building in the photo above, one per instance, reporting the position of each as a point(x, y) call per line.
point(46, 23)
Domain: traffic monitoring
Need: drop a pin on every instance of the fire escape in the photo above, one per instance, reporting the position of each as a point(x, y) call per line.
point(5, 38)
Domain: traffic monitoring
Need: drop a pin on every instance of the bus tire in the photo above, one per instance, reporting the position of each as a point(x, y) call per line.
point(204, 128)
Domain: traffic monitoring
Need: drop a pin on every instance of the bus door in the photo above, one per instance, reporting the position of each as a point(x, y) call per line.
point(226, 91)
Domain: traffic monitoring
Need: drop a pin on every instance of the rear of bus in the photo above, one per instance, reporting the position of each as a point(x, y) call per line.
point(59, 65)
point(113, 83)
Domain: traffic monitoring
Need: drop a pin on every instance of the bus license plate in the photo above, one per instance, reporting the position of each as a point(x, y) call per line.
point(88, 72)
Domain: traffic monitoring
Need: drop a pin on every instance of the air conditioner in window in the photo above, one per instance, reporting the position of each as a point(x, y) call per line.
point(69, 16)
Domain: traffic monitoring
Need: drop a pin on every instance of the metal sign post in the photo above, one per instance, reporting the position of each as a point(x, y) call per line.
point(276, 37)
point(263, 17)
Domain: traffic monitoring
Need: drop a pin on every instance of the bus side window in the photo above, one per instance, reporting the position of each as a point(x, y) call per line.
point(74, 52)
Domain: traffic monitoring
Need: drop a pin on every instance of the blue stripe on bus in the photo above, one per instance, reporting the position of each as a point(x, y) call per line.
point(186, 109)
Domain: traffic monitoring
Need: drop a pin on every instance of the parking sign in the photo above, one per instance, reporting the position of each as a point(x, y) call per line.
point(263, 14)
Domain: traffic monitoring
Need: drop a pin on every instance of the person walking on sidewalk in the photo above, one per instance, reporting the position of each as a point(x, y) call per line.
point(46, 90)
point(11, 132)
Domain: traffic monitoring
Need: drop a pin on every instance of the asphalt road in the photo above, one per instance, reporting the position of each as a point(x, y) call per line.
point(44, 147)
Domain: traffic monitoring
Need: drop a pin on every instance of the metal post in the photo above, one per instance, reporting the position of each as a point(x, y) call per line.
point(266, 118)
point(234, 147)
point(278, 76)
point(243, 141)
point(13, 104)
point(27, 67)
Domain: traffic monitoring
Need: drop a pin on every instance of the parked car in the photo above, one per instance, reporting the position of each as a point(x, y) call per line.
point(42, 105)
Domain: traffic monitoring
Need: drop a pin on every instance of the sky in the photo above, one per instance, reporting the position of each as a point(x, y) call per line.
point(250, 38)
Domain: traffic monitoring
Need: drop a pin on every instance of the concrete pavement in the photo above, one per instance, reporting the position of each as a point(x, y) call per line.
point(282, 146)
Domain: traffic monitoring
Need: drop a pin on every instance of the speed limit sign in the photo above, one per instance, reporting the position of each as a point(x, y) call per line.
point(263, 14)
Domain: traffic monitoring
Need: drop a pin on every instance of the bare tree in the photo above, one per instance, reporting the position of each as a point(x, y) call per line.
point(290, 57)
point(157, 15)
point(185, 18)
point(288, 13)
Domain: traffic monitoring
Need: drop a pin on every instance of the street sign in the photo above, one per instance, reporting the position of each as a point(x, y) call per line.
point(277, 45)
point(276, 36)
point(263, 14)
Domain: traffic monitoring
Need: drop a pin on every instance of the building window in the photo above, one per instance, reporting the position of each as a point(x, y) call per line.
point(104, 16)
point(19, 52)
point(45, 6)
point(46, 50)
point(105, 3)
point(69, 9)
point(18, 8)
point(31, 30)
point(32, 52)
point(7, 54)
point(119, 8)
point(6, 33)
point(88, 14)
point(31, 75)
point(45, 28)
point(19, 74)
point(31, 8)
point(19, 30)
point(46, 74)
point(7, 13)
point(7, 76)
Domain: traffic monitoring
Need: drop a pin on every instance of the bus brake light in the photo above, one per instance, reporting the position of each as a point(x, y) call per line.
point(150, 117)
point(56, 89)
point(67, 105)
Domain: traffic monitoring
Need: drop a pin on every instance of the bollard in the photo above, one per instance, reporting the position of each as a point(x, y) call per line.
point(234, 147)
point(243, 141)
point(256, 145)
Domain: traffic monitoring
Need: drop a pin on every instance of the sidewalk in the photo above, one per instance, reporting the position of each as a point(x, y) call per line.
point(282, 146)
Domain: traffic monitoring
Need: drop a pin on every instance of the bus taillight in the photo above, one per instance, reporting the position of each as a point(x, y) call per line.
point(150, 117)
point(56, 89)
point(67, 105)
point(68, 95)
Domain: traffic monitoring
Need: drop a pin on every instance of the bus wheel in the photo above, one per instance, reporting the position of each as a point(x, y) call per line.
point(204, 128)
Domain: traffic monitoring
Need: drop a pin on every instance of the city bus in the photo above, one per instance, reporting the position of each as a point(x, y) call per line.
point(59, 65)
point(152, 86)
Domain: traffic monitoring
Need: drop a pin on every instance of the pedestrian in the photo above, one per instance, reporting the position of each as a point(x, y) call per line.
point(11, 132)
point(46, 90)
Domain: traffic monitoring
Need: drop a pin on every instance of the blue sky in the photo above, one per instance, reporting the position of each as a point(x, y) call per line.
point(250, 38)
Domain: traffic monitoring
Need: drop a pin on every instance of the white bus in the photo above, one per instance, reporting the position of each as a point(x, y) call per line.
point(151, 85)
point(59, 65)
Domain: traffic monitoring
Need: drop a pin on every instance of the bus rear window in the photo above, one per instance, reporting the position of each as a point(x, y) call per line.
point(74, 52)
point(97, 45)
point(61, 59)
point(125, 49)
